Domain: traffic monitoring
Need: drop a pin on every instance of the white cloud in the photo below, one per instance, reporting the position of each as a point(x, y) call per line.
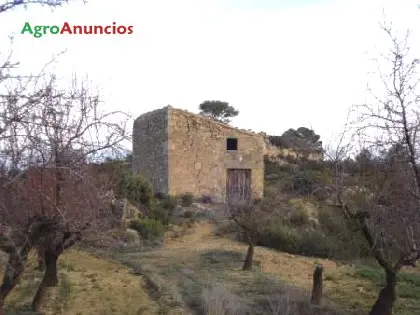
point(281, 68)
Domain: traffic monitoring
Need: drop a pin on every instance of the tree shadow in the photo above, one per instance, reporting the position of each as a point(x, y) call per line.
point(225, 259)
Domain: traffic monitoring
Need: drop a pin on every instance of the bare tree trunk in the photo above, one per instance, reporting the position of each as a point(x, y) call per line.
point(50, 278)
point(37, 301)
point(249, 257)
point(14, 269)
point(50, 275)
point(40, 258)
point(317, 285)
point(387, 296)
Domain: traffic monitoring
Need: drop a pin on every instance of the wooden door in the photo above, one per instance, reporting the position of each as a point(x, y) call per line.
point(238, 186)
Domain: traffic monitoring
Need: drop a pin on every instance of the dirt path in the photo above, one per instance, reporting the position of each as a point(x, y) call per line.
point(184, 263)
point(290, 267)
point(200, 233)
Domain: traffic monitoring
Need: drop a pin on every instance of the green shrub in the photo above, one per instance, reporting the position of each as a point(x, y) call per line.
point(287, 169)
point(348, 242)
point(160, 195)
point(299, 218)
point(273, 167)
point(187, 199)
point(291, 241)
point(163, 209)
point(135, 189)
point(169, 203)
point(206, 199)
point(157, 212)
point(305, 182)
point(300, 212)
point(303, 242)
point(281, 237)
point(148, 228)
point(314, 166)
point(188, 214)
point(321, 194)
point(331, 235)
point(290, 159)
point(331, 221)
point(315, 244)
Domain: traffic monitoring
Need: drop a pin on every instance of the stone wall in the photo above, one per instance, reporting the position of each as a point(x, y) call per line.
point(283, 155)
point(198, 159)
point(150, 148)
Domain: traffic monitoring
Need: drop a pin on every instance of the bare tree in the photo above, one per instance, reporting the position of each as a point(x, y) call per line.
point(17, 245)
point(34, 136)
point(385, 201)
point(12, 4)
point(57, 187)
point(252, 220)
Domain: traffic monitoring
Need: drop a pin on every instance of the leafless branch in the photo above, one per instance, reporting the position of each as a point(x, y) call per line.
point(11, 5)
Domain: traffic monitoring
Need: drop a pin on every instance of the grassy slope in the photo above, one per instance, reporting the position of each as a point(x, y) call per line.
point(184, 267)
point(88, 286)
point(177, 273)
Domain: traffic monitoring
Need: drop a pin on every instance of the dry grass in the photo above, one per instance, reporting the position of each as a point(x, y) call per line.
point(186, 262)
point(217, 300)
point(198, 272)
point(88, 285)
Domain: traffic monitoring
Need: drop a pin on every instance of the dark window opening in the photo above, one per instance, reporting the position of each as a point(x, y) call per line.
point(232, 144)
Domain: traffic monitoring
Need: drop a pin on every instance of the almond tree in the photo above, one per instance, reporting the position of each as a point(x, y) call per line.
point(56, 187)
point(252, 219)
point(386, 205)
point(16, 103)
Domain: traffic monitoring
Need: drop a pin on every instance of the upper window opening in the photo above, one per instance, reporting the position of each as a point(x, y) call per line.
point(232, 144)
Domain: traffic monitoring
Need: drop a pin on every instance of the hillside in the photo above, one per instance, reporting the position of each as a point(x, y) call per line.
point(199, 269)
point(186, 266)
point(88, 285)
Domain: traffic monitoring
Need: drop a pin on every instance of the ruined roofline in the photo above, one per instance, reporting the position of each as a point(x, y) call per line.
point(150, 113)
point(199, 116)
point(224, 125)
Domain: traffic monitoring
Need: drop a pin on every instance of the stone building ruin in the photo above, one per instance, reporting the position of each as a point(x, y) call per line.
point(181, 152)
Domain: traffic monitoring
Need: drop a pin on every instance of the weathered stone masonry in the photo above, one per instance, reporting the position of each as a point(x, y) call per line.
point(181, 152)
point(150, 148)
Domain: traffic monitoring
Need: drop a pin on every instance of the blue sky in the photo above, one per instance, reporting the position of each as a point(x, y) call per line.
point(283, 64)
